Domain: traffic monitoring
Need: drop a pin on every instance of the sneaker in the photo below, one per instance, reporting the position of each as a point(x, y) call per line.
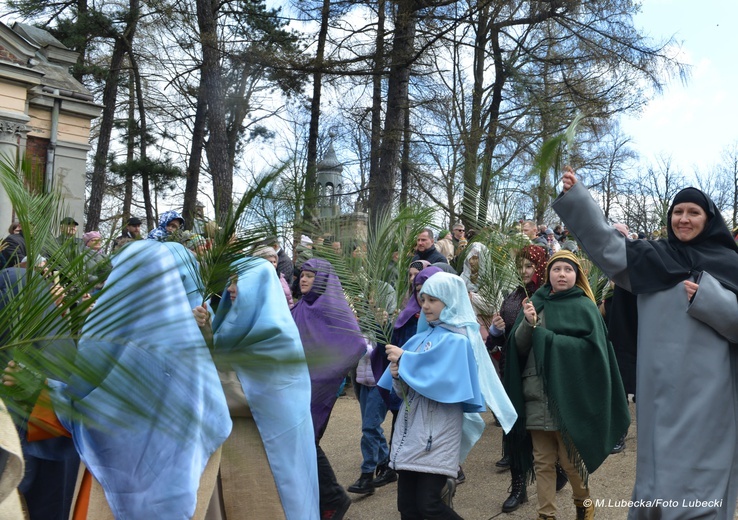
point(337, 512)
point(460, 477)
point(449, 490)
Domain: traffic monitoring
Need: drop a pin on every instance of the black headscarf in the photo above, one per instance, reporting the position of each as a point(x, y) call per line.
point(659, 265)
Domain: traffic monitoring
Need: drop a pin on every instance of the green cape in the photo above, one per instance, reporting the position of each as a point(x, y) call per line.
point(580, 377)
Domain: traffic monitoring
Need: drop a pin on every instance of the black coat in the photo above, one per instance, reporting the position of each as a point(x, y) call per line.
point(431, 255)
point(284, 265)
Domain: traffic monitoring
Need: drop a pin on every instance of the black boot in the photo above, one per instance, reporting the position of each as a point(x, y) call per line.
point(503, 463)
point(385, 475)
point(518, 496)
point(561, 478)
point(363, 486)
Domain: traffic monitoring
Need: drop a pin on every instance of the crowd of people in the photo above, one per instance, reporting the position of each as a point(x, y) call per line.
point(178, 404)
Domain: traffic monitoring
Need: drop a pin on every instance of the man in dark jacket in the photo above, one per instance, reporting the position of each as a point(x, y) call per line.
point(425, 248)
point(131, 232)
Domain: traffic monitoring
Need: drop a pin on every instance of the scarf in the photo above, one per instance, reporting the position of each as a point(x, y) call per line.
point(331, 337)
point(146, 426)
point(580, 377)
point(256, 336)
point(657, 265)
point(458, 313)
point(160, 232)
point(412, 307)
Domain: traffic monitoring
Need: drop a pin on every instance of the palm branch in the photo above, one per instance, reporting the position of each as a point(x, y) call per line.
point(367, 280)
point(39, 329)
point(552, 153)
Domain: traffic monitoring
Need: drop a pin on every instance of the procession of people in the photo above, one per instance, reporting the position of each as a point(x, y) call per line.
point(149, 397)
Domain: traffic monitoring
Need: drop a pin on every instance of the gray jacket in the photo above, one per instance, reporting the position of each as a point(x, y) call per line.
point(427, 434)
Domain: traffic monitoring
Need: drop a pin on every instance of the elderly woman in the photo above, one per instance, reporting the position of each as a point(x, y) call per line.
point(565, 384)
point(96, 262)
point(333, 345)
point(686, 287)
point(475, 273)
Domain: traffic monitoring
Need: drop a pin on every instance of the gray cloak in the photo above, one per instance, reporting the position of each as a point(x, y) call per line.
point(687, 412)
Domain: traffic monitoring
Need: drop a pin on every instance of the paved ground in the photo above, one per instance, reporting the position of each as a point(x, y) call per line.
point(485, 489)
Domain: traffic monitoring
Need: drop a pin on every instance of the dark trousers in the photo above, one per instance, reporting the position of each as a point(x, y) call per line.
point(330, 491)
point(419, 497)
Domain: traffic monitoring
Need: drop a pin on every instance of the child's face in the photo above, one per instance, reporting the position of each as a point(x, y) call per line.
point(432, 307)
point(411, 275)
point(527, 269)
point(562, 276)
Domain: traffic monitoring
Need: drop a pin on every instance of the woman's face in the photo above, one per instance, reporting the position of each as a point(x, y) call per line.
point(95, 243)
point(233, 288)
point(527, 270)
point(688, 220)
point(307, 278)
point(411, 275)
point(474, 263)
point(562, 276)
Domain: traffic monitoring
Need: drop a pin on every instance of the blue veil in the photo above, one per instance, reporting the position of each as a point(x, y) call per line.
point(257, 337)
point(155, 412)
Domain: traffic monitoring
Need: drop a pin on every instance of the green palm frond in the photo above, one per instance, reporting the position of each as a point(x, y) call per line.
point(374, 289)
point(234, 238)
point(42, 310)
point(553, 151)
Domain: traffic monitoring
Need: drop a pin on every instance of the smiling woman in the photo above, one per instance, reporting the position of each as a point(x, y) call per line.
point(686, 288)
point(688, 218)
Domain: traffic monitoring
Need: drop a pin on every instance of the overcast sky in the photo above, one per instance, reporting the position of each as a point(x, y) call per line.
point(692, 122)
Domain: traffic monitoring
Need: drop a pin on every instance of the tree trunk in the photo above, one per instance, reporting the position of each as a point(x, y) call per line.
point(382, 185)
point(493, 117)
point(130, 149)
point(473, 137)
point(376, 135)
point(189, 209)
point(309, 210)
point(110, 94)
point(217, 144)
point(150, 221)
point(405, 162)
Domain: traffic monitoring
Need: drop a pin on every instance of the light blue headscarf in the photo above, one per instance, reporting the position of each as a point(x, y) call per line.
point(156, 413)
point(188, 271)
point(257, 337)
point(458, 313)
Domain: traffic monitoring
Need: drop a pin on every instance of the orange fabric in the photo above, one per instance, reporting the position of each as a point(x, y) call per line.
point(81, 505)
point(43, 423)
